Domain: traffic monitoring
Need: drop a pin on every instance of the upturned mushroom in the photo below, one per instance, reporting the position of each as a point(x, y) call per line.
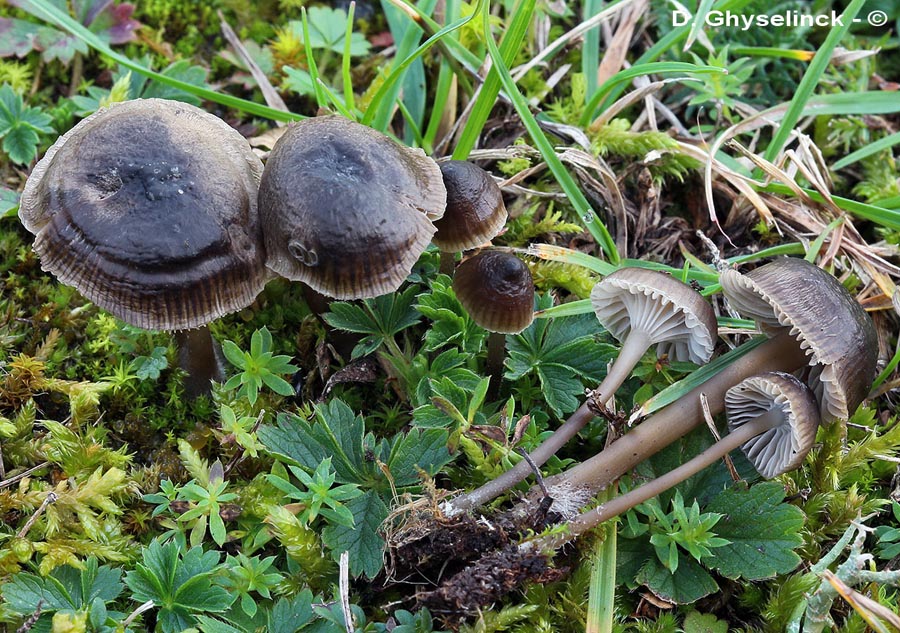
point(816, 325)
point(347, 210)
point(772, 418)
point(475, 212)
point(642, 308)
point(148, 208)
point(497, 291)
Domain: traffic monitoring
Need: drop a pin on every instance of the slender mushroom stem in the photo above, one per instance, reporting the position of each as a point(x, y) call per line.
point(781, 353)
point(735, 439)
point(496, 348)
point(447, 263)
point(633, 348)
point(199, 356)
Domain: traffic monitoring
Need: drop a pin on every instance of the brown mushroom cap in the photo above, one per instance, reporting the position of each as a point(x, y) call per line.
point(793, 295)
point(497, 290)
point(148, 208)
point(475, 211)
point(784, 446)
point(347, 210)
point(676, 318)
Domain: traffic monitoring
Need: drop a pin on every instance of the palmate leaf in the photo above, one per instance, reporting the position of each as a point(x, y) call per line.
point(179, 583)
point(758, 549)
point(65, 588)
point(561, 352)
point(363, 541)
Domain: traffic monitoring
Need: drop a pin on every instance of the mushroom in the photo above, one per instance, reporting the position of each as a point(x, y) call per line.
point(347, 210)
point(475, 212)
point(820, 326)
point(148, 208)
point(641, 308)
point(497, 291)
point(772, 417)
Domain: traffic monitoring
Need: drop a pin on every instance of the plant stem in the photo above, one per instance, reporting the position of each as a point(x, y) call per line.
point(781, 353)
point(633, 348)
point(199, 356)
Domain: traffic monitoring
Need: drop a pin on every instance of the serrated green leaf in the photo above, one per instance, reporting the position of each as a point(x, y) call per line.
point(689, 583)
point(562, 390)
point(363, 541)
point(9, 202)
point(757, 549)
point(290, 614)
point(420, 449)
point(20, 144)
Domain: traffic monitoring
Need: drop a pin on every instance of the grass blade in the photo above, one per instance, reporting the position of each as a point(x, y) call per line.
point(870, 149)
point(811, 79)
point(596, 228)
point(510, 45)
point(45, 11)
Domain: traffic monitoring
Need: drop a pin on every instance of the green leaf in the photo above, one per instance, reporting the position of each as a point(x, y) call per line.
point(696, 622)
point(687, 584)
point(20, 144)
point(363, 541)
point(149, 367)
point(757, 549)
point(419, 450)
point(9, 202)
point(290, 614)
point(65, 588)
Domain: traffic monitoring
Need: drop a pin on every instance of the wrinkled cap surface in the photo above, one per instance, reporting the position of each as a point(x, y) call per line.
point(347, 210)
point(793, 295)
point(148, 208)
point(679, 321)
point(785, 446)
point(475, 212)
point(497, 291)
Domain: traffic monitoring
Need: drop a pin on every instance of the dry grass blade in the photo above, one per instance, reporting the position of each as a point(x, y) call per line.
point(273, 99)
point(869, 610)
point(618, 47)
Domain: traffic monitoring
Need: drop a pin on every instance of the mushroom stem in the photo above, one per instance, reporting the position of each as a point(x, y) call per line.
point(448, 263)
point(781, 353)
point(737, 438)
point(633, 348)
point(496, 353)
point(199, 356)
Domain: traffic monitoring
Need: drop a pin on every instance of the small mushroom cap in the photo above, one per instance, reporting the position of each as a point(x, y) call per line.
point(148, 208)
point(497, 291)
point(785, 446)
point(678, 320)
point(475, 212)
point(795, 296)
point(347, 210)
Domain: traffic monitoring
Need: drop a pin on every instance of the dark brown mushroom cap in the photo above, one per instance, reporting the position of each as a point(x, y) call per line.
point(793, 295)
point(347, 210)
point(475, 211)
point(497, 291)
point(785, 446)
point(148, 208)
point(678, 320)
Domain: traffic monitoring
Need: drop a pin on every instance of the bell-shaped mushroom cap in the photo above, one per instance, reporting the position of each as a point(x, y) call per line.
point(148, 208)
point(784, 446)
point(675, 317)
point(497, 291)
point(793, 295)
point(475, 211)
point(347, 210)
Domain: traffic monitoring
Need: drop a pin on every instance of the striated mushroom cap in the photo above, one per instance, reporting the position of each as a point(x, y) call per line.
point(793, 295)
point(347, 210)
point(475, 212)
point(148, 208)
point(497, 291)
point(785, 446)
point(677, 318)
